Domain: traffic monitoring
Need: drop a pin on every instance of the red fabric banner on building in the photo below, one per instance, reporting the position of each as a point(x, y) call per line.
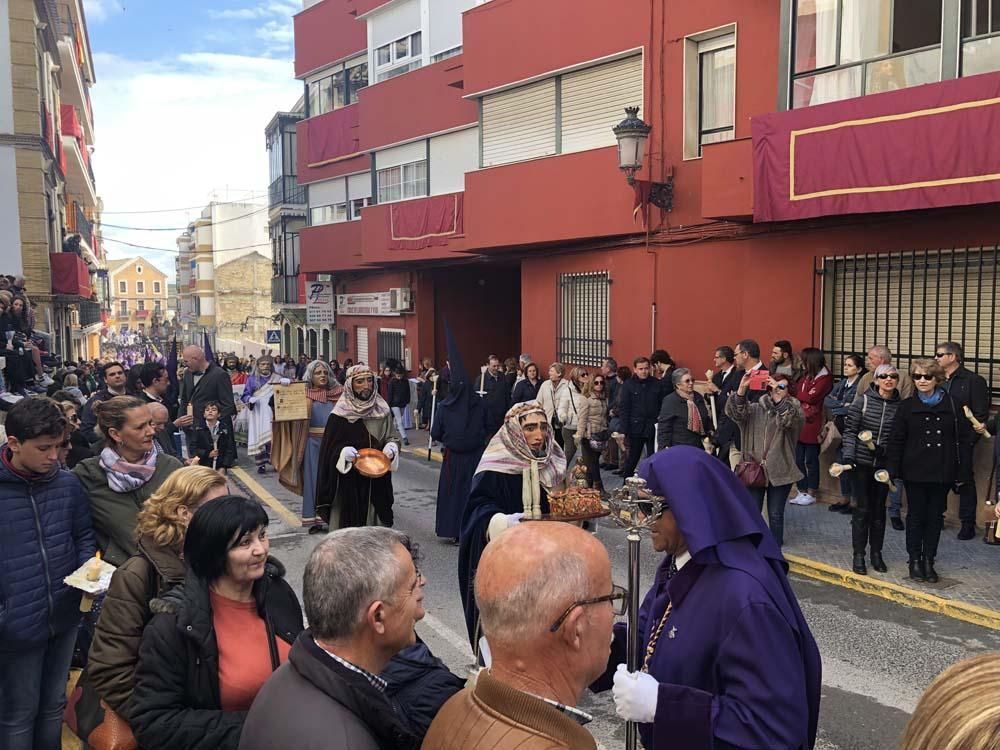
point(69, 275)
point(414, 225)
point(923, 147)
point(331, 136)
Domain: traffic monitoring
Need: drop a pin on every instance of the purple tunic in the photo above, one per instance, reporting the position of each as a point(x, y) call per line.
point(737, 666)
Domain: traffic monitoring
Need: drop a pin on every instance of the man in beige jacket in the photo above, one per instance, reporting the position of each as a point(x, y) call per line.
point(547, 607)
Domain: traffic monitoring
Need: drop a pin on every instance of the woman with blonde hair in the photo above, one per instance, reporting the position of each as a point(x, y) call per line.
point(955, 712)
point(156, 568)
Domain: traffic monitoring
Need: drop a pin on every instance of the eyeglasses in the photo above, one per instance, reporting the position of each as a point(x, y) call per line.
point(922, 376)
point(598, 381)
point(888, 376)
point(535, 427)
point(938, 355)
point(618, 598)
point(687, 381)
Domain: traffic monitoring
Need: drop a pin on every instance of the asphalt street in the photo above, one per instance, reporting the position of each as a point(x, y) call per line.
point(877, 656)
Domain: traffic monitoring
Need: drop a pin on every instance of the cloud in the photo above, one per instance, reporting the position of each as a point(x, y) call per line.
point(99, 10)
point(276, 32)
point(171, 133)
point(278, 8)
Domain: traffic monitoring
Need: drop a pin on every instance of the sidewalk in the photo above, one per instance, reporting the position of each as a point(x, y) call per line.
point(816, 539)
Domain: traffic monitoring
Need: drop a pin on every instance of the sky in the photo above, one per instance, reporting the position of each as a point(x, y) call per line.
point(184, 91)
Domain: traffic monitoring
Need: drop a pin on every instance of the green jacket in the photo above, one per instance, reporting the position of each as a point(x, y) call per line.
point(114, 513)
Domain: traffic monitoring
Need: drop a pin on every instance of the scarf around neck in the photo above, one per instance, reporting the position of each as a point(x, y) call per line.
point(695, 423)
point(508, 453)
point(124, 476)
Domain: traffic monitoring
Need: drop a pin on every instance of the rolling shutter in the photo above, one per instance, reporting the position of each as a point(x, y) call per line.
point(911, 301)
point(594, 101)
point(360, 185)
point(519, 124)
point(327, 193)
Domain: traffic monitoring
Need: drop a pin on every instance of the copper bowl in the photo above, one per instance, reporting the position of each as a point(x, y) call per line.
point(372, 463)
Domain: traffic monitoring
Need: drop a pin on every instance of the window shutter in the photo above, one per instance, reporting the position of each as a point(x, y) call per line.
point(519, 124)
point(327, 193)
point(594, 101)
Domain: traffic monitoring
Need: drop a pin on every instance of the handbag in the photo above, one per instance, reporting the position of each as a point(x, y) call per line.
point(94, 722)
point(749, 470)
point(829, 437)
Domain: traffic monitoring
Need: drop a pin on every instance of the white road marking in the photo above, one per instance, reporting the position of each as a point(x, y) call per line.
point(458, 642)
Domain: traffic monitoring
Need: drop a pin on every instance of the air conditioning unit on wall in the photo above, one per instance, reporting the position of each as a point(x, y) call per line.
point(400, 300)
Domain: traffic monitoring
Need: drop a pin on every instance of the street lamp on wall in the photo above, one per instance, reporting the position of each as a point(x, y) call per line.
point(633, 136)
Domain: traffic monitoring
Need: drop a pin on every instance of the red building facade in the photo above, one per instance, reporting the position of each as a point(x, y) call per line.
point(831, 172)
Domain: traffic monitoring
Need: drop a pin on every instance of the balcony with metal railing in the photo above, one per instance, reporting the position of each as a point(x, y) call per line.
point(90, 313)
point(285, 290)
point(286, 191)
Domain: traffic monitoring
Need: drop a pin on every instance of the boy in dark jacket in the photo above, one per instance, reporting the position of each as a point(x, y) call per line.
point(45, 536)
point(214, 443)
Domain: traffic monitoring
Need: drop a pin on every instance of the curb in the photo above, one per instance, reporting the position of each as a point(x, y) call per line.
point(255, 488)
point(893, 592)
point(422, 453)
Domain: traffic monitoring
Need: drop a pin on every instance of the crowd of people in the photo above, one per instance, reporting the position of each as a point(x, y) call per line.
point(200, 641)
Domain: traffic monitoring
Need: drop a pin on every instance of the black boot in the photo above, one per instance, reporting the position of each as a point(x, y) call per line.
point(897, 523)
point(859, 565)
point(917, 571)
point(878, 564)
point(932, 576)
point(968, 531)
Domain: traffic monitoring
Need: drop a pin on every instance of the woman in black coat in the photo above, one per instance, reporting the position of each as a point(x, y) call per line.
point(526, 389)
point(930, 449)
point(234, 617)
point(684, 418)
point(214, 435)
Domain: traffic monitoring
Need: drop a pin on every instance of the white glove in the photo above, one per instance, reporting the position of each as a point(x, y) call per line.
point(390, 451)
point(349, 454)
point(253, 399)
point(635, 695)
point(285, 381)
point(501, 522)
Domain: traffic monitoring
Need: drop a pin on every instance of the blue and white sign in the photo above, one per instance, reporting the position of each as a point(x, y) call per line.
point(274, 336)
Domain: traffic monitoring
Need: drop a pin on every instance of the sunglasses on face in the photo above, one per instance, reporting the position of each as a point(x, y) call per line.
point(922, 376)
point(687, 381)
point(889, 376)
point(938, 355)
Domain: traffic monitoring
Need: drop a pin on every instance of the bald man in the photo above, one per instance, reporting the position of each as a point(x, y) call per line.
point(204, 381)
point(547, 606)
point(164, 437)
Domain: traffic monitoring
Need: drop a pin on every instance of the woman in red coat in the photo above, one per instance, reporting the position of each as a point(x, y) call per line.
point(811, 390)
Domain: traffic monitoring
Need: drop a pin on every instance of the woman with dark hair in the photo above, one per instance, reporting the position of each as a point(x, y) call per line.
point(811, 390)
point(128, 470)
point(79, 448)
point(930, 449)
point(768, 431)
point(24, 364)
point(214, 641)
point(837, 404)
point(526, 389)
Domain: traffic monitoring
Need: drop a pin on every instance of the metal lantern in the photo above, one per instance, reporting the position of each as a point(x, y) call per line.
point(632, 134)
point(634, 508)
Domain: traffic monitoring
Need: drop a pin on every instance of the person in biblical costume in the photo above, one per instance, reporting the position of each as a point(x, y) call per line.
point(460, 426)
point(727, 659)
point(295, 445)
point(520, 466)
point(360, 419)
point(257, 395)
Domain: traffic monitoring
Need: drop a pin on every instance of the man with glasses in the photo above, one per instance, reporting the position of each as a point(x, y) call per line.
point(360, 419)
point(967, 388)
point(519, 467)
point(548, 606)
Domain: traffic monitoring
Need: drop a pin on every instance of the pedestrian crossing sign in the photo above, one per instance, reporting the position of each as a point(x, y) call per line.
point(273, 336)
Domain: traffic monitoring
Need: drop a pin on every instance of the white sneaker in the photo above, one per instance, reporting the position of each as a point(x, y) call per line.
point(803, 498)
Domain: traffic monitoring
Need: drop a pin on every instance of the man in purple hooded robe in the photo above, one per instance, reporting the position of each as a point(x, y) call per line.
point(727, 659)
